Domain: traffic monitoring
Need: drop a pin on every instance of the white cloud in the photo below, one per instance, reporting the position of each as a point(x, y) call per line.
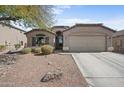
point(60, 9)
point(76, 20)
point(72, 21)
point(117, 23)
point(114, 23)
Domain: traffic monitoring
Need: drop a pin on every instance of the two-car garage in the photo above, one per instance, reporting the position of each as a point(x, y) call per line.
point(87, 38)
point(87, 43)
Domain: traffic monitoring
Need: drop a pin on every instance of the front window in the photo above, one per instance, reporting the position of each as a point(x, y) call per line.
point(40, 39)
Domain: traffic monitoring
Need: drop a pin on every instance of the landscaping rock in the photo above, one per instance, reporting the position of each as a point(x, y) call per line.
point(2, 74)
point(7, 59)
point(49, 63)
point(54, 75)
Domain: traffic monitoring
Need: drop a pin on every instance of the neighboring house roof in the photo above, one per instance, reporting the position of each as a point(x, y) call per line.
point(89, 25)
point(4, 24)
point(39, 30)
point(119, 33)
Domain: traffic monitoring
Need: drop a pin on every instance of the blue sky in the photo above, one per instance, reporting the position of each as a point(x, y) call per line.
point(110, 15)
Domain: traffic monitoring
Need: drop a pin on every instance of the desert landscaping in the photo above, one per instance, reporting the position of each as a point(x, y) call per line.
point(40, 47)
point(27, 70)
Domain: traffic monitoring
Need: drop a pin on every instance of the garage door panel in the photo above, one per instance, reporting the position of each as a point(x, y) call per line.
point(87, 43)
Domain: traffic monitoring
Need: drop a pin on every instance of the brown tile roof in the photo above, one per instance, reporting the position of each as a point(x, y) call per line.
point(40, 30)
point(60, 27)
point(98, 24)
point(119, 33)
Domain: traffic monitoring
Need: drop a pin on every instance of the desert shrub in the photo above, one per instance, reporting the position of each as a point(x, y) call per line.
point(17, 46)
point(2, 47)
point(36, 50)
point(26, 50)
point(47, 49)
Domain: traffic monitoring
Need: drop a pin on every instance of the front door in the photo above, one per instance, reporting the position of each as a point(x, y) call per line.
point(59, 40)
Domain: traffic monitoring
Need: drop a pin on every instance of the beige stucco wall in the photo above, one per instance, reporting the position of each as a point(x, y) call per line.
point(33, 34)
point(11, 36)
point(118, 46)
point(87, 30)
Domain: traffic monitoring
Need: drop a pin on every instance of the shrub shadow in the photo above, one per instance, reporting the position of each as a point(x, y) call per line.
point(38, 54)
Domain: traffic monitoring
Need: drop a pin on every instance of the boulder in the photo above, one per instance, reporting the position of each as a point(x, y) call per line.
point(53, 75)
point(7, 59)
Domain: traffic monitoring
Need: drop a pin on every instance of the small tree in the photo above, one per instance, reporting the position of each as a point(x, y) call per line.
point(27, 15)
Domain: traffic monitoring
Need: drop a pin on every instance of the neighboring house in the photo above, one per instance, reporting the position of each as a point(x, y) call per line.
point(118, 41)
point(10, 36)
point(87, 38)
point(38, 37)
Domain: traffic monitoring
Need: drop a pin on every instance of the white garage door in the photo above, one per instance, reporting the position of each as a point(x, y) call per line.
point(87, 43)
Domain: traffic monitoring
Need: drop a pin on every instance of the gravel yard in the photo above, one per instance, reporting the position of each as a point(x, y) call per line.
point(29, 69)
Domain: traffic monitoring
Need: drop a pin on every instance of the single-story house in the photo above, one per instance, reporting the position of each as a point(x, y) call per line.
point(10, 35)
point(78, 38)
point(87, 38)
point(37, 37)
point(118, 41)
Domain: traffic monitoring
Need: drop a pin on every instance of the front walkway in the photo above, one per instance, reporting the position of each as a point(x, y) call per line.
point(101, 69)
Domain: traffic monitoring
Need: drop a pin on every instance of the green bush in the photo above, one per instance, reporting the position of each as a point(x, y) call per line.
point(47, 49)
point(17, 46)
point(36, 50)
point(2, 47)
point(26, 50)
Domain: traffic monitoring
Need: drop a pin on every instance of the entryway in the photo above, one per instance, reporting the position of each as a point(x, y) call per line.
point(59, 40)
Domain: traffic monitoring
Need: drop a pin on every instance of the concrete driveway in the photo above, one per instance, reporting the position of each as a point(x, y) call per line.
point(104, 69)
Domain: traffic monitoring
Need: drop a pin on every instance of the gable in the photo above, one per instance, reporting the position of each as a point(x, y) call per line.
point(88, 29)
point(35, 32)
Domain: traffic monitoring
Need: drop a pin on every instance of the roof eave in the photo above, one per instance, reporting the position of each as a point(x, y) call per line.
point(39, 30)
point(100, 24)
